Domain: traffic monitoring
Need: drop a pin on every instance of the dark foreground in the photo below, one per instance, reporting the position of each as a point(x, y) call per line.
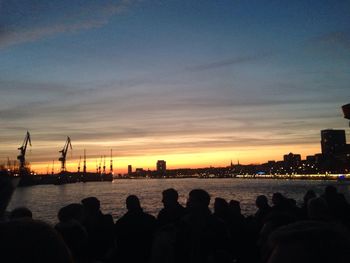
point(318, 231)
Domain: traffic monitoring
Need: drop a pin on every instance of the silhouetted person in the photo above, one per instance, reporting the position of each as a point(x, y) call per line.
point(308, 195)
point(31, 241)
point(280, 203)
point(21, 213)
point(272, 222)
point(242, 236)
point(168, 217)
point(71, 212)
point(235, 209)
point(221, 210)
point(201, 237)
point(309, 242)
point(317, 210)
point(134, 233)
point(264, 209)
point(73, 232)
point(99, 228)
point(172, 210)
point(294, 209)
point(337, 204)
point(238, 226)
point(281, 214)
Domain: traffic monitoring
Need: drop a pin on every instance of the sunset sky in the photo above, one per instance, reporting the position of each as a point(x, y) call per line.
point(196, 83)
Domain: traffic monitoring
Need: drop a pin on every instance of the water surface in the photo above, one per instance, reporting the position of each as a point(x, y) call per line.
point(46, 200)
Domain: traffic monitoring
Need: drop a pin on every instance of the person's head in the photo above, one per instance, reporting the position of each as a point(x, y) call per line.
point(309, 242)
point(330, 190)
point(235, 207)
point(133, 203)
point(71, 212)
point(261, 202)
point(170, 197)
point(278, 199)
point(20, 213)
point(91, 205)
point(220, 205)
point(198, 199)
point(317, 209)
point(31, 241)
point(308, 195)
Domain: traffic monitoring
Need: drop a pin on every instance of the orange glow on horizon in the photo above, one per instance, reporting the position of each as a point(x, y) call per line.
point(215, 158)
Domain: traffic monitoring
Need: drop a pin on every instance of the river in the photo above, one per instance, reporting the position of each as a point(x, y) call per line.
point(46, 200)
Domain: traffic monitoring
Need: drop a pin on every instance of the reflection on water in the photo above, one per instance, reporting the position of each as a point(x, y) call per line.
point(46, 200)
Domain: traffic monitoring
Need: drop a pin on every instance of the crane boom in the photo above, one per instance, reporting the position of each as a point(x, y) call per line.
point(22, 156)
point(63, 152)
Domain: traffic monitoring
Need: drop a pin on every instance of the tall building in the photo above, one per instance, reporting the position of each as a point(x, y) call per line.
point(161, 167)
point(333, 142)
point(129, 169)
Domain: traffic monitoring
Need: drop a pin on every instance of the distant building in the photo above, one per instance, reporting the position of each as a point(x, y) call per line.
point(140, 172)
point(333, 142)
point(161, 167)
point(311, 159)
point(129, 169)
point(271, 163)
point(335, 151)
point(292, 161)
point(319, 158)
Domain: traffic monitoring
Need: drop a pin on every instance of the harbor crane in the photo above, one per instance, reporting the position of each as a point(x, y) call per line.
point(63, 152)
point(79, 164)
point(104, 164)
point(111, 163)
point(99, 166)
point(53, 167)
point(84, 167)
point(22, 156)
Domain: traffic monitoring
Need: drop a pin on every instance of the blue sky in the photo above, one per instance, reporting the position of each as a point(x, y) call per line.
point(150, 78)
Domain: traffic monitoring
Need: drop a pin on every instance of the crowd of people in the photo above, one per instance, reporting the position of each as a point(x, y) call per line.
point(317, 231)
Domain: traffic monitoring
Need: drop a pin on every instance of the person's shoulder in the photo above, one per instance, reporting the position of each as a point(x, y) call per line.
point(149, 216)
point(122, 219)
point(180, 206)
point(161, 214)
point(107, 217)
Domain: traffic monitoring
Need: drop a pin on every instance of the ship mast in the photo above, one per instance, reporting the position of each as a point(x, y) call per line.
point(111, 163)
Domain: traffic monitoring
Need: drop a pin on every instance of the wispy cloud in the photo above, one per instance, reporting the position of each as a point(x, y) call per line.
point(333, 39)
point(83, 19)
point(229, 62)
